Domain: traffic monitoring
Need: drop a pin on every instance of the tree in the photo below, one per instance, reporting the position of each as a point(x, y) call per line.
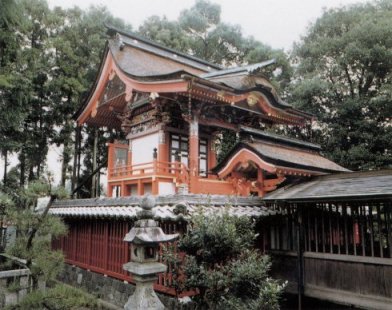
point(10, 101)
point(211, 39)
point(223, 265)
point(200, 32)
point(344, 77)
point(35, 230)
point(77, 47)
point(167, 33)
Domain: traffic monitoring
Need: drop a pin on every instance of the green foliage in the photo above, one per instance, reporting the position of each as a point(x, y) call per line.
point(210, 38)
point(200, 32)
point(222, 264)
point(344, 77)
point(48, 59)
point(46, 262)
point(268, 298)
point(216, 239)
point(60, 297)
point(226, 140)
point(166, 32)
point(35, 230)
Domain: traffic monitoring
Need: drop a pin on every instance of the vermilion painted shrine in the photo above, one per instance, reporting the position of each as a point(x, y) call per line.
point(328, 229)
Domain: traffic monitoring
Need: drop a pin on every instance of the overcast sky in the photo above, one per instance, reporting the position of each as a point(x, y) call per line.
point(277, 23)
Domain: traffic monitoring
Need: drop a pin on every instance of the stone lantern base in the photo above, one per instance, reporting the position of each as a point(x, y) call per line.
point(144, 275)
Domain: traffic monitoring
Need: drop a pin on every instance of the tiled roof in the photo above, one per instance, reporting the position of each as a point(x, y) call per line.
point(159, 49)
point(236, 70)
point(141, 65)
point(284, 140)
point(167, 207)
point(342, 186)
point(140, 57)
point(292, 157)
point(282, 152)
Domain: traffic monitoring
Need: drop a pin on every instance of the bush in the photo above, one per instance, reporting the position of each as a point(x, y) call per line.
point(223, 265)
point(61, 297)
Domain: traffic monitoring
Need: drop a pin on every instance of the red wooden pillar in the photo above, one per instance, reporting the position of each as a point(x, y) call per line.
point(129, 159)
point(109, 191)
point(111, 159)
point(124, 189)
point(140, 189)
point(163, 150)
point(193, 154)
point(212, 160)
point(154, 184)
point(260, 181)
point(110, 167)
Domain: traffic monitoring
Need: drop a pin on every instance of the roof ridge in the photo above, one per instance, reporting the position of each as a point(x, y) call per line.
point(249, 68)
point(357, 174)
point(284, 139)
point(135, 36)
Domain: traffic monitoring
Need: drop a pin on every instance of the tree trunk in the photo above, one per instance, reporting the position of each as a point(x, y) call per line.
point(66, 152)
point(74, 179)
point(31, 173)
point(94, 179)
point(5, 155)
point(33, 232)
point(22, 159)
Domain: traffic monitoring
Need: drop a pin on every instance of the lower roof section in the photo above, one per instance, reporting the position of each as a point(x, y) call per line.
point(277, 154)
point(169, 208)
point(370, 185)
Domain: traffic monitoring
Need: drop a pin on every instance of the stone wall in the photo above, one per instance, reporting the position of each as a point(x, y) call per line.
point(111, 290)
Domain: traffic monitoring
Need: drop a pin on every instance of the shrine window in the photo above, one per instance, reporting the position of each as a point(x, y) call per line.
point(203, 157)
point(180, 144)
point(120, 157)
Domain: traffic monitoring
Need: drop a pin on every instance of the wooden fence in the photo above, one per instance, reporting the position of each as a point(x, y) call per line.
point(97, 245)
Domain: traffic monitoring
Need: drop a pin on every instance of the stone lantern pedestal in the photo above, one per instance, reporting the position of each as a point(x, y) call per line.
point(145, 237)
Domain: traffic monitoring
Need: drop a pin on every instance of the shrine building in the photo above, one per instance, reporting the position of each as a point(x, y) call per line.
point(173, 109)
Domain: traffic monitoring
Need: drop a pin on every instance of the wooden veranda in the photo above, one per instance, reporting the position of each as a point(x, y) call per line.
point(332, 238)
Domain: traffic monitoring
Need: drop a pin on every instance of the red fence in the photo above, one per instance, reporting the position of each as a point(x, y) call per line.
point(98, 245)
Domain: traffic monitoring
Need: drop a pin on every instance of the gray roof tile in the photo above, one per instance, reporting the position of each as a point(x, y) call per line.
point(127, 207)
point(342, 186)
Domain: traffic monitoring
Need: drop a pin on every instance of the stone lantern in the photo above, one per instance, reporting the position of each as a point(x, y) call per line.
point(145, 238)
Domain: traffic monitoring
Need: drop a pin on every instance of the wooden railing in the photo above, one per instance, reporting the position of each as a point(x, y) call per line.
point(155, 168)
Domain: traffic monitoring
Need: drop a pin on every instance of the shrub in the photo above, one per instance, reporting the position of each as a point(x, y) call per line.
point(225, 268)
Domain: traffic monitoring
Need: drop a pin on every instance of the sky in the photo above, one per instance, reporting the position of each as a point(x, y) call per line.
point(277, 23)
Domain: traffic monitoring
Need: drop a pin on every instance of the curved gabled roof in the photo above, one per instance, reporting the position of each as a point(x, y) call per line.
point(145, 66)
point(131, 43)
point(278, 154)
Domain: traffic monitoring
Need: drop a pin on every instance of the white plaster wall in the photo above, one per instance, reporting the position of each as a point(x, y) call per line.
point(143, 147)
point(166, 188)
